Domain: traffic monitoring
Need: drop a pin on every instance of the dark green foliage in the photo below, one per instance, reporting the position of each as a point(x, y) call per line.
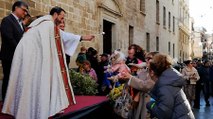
point(83, 84)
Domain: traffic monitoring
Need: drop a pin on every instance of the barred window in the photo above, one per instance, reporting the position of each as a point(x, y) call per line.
point(173, 24)
point(164, 16)
point(142, 5)
point(157, 11)
point(157, 43)
point(147, 42)
point(169, 21)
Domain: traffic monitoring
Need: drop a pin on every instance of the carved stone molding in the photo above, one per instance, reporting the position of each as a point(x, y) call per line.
point(111, 6)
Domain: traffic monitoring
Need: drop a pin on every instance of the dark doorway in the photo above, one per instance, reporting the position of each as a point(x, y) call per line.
point(107, 38)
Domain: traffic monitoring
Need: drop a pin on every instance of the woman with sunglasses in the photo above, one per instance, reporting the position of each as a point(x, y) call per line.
point(191, 76)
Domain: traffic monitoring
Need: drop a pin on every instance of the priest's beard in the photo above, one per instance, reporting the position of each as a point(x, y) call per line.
point(57, 21)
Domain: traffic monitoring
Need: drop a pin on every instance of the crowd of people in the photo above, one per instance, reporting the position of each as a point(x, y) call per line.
point(152, 76)
point(36, 82)
point(35, 58)
point(198, 74)
point(184, 84)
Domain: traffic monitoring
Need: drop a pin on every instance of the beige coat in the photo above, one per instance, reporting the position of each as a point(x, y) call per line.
point(143, 84)
point(189, 89)
point(187, 73)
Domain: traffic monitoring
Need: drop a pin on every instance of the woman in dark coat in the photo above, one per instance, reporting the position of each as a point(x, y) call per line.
point(169, 100)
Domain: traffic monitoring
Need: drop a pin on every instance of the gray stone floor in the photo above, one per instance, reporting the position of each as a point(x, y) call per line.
point(204, 112)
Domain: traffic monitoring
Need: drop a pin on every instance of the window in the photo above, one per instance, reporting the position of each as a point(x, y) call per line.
point(164, 16)
point(192, 26)
point(147, 42)
point(142, 6)
point(157, 43)
point(169, 48)
point(157, 12)
point(173, 24)
point(173, 50)
point(169, 21)
point(131, 34)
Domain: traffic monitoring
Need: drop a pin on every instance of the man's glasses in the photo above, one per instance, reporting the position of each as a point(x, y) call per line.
point(25, 10)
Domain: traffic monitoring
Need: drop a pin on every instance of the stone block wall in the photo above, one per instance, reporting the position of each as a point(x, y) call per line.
point(80, 18)
point(86, 17)
point(81, 15)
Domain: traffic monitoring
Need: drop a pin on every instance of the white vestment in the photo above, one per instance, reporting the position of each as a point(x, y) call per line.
point(36, 89)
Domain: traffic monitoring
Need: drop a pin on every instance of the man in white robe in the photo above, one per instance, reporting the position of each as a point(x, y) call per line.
point(36, 89)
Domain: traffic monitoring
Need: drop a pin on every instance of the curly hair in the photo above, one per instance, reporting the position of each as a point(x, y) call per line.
point(139, 52)
point(160, 63)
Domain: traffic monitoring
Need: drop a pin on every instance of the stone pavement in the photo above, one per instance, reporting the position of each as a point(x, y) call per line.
point(204, 112)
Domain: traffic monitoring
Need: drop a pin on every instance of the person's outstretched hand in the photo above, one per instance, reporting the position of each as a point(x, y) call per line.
point(87, 37)
point(124, 76)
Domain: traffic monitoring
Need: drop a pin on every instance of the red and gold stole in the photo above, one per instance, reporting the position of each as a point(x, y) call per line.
point(62, 66)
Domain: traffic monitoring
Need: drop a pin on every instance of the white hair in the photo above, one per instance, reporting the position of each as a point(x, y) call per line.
point(117, 56)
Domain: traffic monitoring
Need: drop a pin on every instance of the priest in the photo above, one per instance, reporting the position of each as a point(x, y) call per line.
point(39, 85)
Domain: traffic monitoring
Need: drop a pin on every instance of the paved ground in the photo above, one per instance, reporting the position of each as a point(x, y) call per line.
point(204, 112)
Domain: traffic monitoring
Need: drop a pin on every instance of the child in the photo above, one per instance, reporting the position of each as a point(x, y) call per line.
point(81, 58)
point(88, 70)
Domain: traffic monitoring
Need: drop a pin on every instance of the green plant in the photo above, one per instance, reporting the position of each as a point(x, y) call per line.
point(83, 84)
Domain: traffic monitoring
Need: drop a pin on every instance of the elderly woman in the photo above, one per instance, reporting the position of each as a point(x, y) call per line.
point(169, 100)
point(191, 76)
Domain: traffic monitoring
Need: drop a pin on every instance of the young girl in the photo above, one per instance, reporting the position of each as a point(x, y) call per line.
point(88, 70)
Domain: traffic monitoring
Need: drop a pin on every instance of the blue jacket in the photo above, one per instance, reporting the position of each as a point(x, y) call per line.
point(170, 100)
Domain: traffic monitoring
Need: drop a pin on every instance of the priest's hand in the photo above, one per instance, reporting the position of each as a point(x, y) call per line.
point(87, 37)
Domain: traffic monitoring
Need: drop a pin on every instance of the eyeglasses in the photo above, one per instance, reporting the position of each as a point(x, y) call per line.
point(25, 10)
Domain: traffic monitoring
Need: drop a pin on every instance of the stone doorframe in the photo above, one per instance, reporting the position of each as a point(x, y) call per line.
point(110, 10)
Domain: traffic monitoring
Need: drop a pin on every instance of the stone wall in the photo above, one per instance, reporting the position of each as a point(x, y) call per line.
point(86, 17)
point(81, 15)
